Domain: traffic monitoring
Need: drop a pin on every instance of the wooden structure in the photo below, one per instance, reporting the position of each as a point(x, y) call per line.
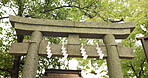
point(73, 30)
point(144, 41)
point(55, 73)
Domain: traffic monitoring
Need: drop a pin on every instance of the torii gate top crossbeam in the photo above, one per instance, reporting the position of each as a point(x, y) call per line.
point(59, 28)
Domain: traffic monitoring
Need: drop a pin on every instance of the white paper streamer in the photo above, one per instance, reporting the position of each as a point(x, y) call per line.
point(64, 52)
point(83, 52)
point(99, 52)
point(48, 50)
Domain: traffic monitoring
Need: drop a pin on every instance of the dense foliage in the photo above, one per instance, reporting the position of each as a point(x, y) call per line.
point(76, 10)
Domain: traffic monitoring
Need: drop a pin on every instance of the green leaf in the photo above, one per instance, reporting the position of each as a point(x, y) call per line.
point(87, 67)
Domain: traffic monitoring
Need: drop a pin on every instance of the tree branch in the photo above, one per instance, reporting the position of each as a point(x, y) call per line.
point(141, 66)
point(7, 70)
point(12, 8)
point(63, 7)
point(81, 8)
point(131, 66)
point(91, 4)
point(3, 17)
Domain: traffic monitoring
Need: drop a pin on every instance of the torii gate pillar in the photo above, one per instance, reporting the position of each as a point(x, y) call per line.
point(113, 61)
point(32, 58)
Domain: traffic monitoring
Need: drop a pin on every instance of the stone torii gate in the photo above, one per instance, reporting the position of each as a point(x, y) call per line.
point(38, 28)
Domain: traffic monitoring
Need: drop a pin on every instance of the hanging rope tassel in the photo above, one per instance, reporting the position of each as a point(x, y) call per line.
point(83, 52)
point(64, 52)
point(99, 51)
point(48, 50)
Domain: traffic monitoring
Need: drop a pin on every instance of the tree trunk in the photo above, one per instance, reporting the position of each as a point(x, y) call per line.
point(15, 69)
point(16, 65)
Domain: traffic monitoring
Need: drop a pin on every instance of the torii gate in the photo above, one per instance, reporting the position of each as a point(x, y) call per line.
point(73, 30)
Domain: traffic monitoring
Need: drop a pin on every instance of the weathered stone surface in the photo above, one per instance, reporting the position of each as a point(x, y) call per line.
point(113, 61)
point(74, 31)
point(32, 58)
point(60, 23)
point(58, 28)
point(18, 49)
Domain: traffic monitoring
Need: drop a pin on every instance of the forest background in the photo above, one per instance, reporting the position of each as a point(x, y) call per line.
point(115, 11)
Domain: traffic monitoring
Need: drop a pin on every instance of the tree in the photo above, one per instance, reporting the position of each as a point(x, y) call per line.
point(77, 10)
point(54, 9)
point(137, 66)
point(131, 11)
